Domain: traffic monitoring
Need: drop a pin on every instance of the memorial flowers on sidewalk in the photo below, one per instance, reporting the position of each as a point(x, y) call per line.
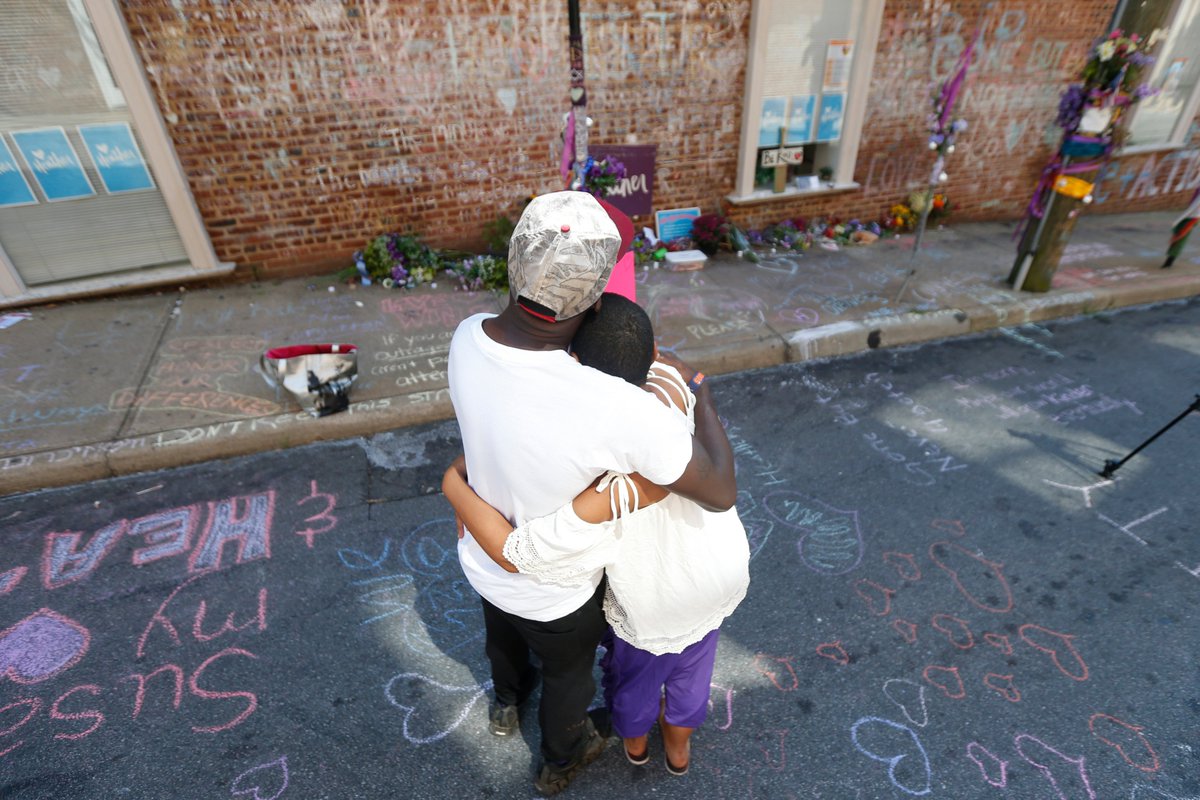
point(709, 232)
point(393, 259)
point(476, 273)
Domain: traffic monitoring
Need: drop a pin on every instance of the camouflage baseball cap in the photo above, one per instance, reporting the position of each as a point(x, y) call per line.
point(561, 254)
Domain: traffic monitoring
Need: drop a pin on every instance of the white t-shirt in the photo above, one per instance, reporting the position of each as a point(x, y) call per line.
point(675, 571)
point(537, 428)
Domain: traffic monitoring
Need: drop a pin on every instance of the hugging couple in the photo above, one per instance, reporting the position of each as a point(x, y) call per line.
point(596, 491)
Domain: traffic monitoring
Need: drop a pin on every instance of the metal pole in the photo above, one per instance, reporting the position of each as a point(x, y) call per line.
point(578, 92)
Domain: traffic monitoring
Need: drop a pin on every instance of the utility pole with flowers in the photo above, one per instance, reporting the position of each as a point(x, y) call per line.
point(1091, 114)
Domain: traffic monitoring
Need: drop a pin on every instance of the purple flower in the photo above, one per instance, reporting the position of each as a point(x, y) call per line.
point(1070, 107)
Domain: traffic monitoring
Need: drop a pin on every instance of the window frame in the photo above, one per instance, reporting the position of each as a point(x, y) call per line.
point(866, 39)
point(159, 151)
point(1178, 138)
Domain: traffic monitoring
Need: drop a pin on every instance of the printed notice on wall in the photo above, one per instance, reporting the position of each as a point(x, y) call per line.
point(116, 157)
point(838, 56)
point(14, 189)
point(54, 163)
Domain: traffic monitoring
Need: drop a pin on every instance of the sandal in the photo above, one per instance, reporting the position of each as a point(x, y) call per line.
point(678, 771)
point(639, 760)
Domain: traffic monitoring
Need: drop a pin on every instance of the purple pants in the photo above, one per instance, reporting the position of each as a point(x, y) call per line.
point(634, 681)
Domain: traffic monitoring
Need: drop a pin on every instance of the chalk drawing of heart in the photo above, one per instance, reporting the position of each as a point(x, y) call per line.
point(431, 709)
point(831, 541)
point(908, 699)
point(576, 93)
point(39, 154)
point(102, 147)
point(250, 783)
point(40, 646)
point(894, 761)
point(508, 98)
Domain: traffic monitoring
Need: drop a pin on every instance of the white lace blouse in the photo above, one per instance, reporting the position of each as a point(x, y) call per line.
point(675, 570)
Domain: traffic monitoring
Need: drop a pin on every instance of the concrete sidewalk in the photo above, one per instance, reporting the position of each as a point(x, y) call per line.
point(122, 385)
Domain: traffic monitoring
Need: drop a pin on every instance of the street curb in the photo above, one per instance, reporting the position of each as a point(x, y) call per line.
point(48, 469)
point(190, 445)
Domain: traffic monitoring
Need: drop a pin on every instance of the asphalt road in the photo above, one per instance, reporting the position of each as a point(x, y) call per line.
point(946, 600)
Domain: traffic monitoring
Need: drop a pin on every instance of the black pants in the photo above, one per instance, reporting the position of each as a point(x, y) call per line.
point(566, 648)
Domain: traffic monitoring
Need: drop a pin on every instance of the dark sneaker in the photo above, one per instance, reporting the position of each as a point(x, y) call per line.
point(502, 721)
point(554, 778)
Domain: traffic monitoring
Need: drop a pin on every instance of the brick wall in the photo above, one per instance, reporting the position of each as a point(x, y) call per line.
point(307, 127)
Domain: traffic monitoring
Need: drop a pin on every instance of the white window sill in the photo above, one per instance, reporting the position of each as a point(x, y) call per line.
point(1142, 149)
point(789, 193)
point(108, 284)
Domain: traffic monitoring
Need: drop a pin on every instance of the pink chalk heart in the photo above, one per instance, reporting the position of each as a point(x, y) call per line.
point(40, 646)
point(273, 774)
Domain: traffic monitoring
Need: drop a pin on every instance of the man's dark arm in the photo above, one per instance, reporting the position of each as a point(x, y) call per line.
point(708, 479)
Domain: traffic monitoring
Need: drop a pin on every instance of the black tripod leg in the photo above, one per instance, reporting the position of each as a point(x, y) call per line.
point(1112, 466)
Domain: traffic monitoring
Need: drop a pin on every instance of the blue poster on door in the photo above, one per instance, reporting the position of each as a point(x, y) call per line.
point(800, 121)
point(829, 125)
point(54, 163)
point(116, 157)
point(14, 189)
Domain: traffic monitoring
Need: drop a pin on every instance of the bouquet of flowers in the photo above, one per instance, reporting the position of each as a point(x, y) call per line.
point(645, 251)
point(600, 176)
point(709, 232)
point(480, 272)
point(1110, 82)
point(396, 260)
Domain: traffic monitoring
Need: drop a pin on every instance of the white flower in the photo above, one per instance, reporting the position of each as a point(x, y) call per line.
point(1106, 50)
point(1155, 37)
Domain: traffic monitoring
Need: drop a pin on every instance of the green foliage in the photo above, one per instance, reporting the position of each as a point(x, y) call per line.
point(480, 272)
point(497, 233)
point(402, 260)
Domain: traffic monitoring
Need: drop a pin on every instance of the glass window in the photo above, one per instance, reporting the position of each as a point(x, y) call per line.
point(807, 78)
point(77, 195)
point(1164, 118)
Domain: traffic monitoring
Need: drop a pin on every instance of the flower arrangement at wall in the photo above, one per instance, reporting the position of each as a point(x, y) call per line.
point(709, 232)
point(793, 235)
point(476, 273)
point(396, 261)
point(393, 259)
point(601, 175)
point(902, 217)
point(647, 251)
